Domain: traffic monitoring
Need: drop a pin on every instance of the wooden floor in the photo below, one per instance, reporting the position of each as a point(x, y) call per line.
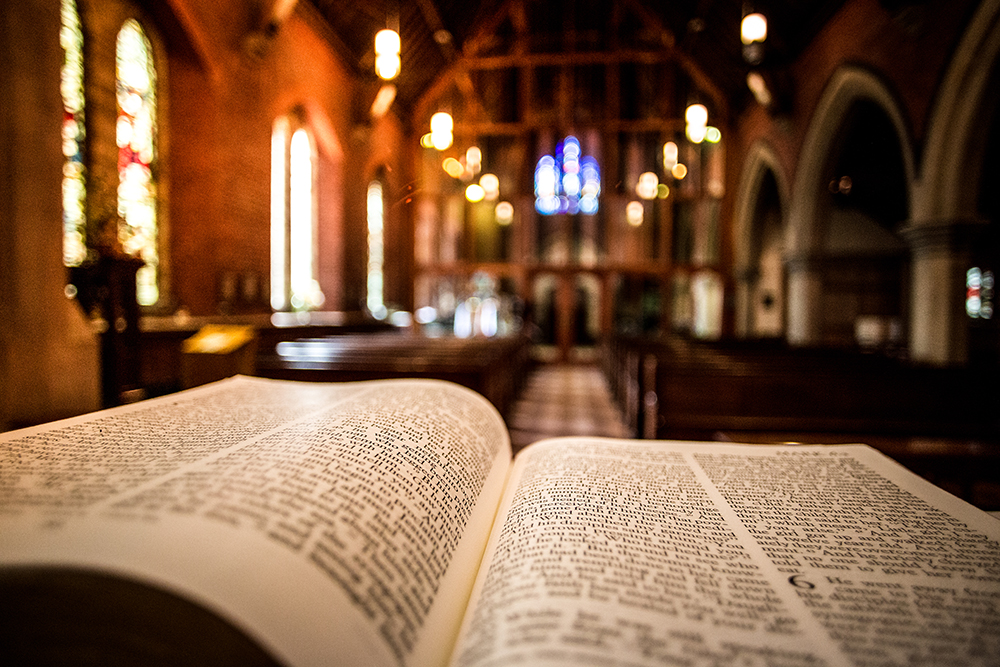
point(562, 400)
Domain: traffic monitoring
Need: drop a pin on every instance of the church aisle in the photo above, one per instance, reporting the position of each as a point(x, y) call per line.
point(564, 400)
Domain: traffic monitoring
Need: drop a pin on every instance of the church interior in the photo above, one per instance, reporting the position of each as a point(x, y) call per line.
point(787, 235)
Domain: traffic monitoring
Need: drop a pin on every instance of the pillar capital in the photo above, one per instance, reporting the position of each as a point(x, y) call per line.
point(949, 234)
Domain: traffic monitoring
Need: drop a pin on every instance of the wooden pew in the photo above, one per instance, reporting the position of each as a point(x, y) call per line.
point(161, 338)
point(943, 423)
point(495, 367)
point(704, 387)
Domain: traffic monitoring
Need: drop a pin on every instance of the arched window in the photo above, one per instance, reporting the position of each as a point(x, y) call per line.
point(74, 187)
point(294, 279)
point(137, 155)
point(376, 250)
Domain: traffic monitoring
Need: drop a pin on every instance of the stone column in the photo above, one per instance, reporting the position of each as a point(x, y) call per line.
point(746, 279)
point(941, 254)
point(49, 364)
point(805, 291)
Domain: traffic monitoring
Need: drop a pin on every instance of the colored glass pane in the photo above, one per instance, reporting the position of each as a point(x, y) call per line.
point(376, 252)
point(136, 134)
point(294, 283)
point(279, 234)
point(74, 190)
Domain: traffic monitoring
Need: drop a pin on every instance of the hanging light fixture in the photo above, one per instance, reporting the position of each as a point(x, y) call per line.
point(696, 119)
point(634, 213)
point(441, 127)
point(387, 62)
point(753, 32)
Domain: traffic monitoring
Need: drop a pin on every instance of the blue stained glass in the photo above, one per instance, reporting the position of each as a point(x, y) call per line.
point(567, 182)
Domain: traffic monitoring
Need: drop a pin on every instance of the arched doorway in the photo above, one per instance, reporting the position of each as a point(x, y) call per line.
point(760, 248)
point(767, 289)
point(846, 259)
point(864, 259)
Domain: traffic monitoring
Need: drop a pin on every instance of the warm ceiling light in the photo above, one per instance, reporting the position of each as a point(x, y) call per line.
point(387, 64)
point(474, 159)
point(505, 213)
point(696, 133)
point(474, 193)
point(491, 185)
point(441, 127)
point(442, 122)
point(753, 29)
point(453, 167)
point(634, 213)
point(386, 41)
point(647, 185)
point(696, 114)
point(669, 155)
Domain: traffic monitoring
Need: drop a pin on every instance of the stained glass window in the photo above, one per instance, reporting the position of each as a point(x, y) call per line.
point(376, 211)
point(279, 207)
point(294, 283)
point(74, 189)
point(136, 132)
point(302, 223)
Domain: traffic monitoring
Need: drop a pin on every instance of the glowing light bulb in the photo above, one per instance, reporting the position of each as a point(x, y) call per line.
point(505, 213)
point(474, 159)
point(387, 63)
point(669, 155)
point(474, 193)
point(491, 185)
point(753, 28)
point(441, 127)
point(442, 122)
point(646, 187)
point(453, 167)
point(386, 41)
point(696, 114)
point(696, 133)
point(634, 213)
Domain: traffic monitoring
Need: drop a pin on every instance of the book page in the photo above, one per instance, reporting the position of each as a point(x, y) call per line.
point(331, 522)
point(611, 552)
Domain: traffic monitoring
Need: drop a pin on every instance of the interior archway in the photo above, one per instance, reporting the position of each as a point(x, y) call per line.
point(848, 261)
point(864, 258)
point(767, 302)
point(760, 246)
point(948, 203)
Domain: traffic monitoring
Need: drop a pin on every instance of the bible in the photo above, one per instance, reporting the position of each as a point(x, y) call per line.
point(257, 521)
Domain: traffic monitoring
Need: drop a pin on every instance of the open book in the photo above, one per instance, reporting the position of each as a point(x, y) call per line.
point(383, 523)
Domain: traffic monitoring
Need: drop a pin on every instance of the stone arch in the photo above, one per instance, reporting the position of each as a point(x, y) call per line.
point(946, 225)
point(762, 178)
point(943, 192)
point(849, 87)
